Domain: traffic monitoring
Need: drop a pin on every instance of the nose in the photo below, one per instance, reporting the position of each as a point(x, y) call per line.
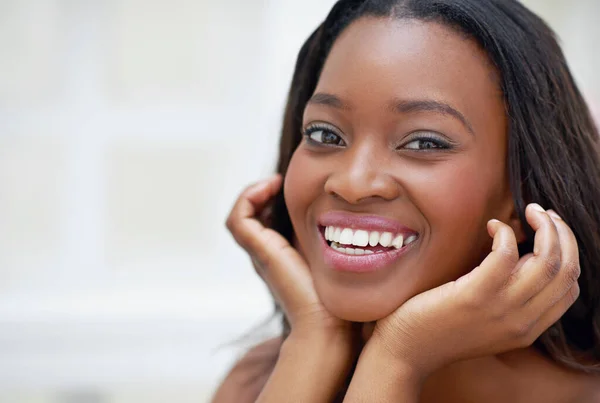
point(362, 174)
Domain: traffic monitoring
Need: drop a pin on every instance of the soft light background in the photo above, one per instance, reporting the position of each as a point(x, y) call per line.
point(127, 128)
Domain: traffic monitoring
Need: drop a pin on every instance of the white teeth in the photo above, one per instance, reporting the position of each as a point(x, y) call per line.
point(346, 237)
point(337, 247)
point(361, 238)
point(374, 238)
point(386, 239)
point(397, 242)
point(337, 234)
point(410, 240)
point(351, 251)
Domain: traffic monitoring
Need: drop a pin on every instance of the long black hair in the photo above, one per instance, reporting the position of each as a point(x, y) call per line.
point(553, 152)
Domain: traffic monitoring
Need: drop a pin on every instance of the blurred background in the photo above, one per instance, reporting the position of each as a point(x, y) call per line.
point(127, 129)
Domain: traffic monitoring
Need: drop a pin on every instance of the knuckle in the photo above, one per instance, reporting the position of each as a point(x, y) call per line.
point(229, 223)
point(509, 254)
point(232, 223)
point(472, 299)
point(521, 330)
point(550, 265)
point(571, 271)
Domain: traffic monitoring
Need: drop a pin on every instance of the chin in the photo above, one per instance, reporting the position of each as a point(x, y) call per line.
point(360, 306)
point(365, 314)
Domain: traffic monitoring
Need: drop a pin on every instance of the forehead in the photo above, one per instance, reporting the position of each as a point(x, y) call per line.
point(378, 59)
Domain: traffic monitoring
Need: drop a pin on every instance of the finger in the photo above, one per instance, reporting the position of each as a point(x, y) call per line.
point(522, 261)
point(569, 271)
point(556, 311)
point(493, 273)
point(243, 221)
point(254, 197)
point(284, 270)
point(568, 241)
point(543, 267)
point(281, 267)
point(248, 206)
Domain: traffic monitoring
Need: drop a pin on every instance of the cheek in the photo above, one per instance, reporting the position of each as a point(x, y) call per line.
point(294, 184)
point(301, 189)
point(453, 200)
point(457, 203)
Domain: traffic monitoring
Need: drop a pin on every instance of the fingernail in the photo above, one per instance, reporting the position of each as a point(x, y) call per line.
point(494, 220)
point(553, 214)
point(269, 178)
point(260, 184)
point(537, 207)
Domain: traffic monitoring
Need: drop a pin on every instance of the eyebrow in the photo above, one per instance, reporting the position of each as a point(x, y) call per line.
point(321, 98)
point(399, 106)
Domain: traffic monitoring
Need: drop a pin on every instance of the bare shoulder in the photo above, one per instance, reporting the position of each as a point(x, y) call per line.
point(592, 394)
point(247, 378)
point(586, 388)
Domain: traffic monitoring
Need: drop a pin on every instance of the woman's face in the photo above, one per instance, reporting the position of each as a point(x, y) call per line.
point(405, 144)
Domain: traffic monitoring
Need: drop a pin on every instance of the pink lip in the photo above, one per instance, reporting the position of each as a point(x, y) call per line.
point(362, 263)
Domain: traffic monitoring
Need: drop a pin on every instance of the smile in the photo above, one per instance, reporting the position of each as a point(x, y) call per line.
point(362, 242)
point(356, 243)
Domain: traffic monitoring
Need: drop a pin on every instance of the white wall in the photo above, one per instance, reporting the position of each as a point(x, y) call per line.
point(127, 128)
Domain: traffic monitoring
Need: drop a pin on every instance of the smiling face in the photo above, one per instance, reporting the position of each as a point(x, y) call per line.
point(406, 135)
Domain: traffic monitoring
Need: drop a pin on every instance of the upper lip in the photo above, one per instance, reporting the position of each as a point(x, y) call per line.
point(365, 222)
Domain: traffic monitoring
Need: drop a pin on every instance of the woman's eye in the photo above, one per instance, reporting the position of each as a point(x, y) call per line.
point(425, 144)
point(324, 136)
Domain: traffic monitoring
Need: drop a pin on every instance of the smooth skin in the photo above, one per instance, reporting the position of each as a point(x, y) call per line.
point(455, 316)
point(425, 334)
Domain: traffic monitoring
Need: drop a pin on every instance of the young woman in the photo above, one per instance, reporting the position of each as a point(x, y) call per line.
point(433, 233)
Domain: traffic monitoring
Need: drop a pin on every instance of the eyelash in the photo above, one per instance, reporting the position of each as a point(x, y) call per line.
point(440, 143)
point(316, 127)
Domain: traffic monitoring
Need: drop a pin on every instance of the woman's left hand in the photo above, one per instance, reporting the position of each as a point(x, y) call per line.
point(502, 305)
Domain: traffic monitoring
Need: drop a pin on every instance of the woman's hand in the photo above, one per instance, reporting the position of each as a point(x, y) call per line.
point(317, 356)
point(501, 305)
point(280, 265)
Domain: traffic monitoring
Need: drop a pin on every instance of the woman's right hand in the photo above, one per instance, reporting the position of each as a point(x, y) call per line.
point(281, 266)
point(316, 357)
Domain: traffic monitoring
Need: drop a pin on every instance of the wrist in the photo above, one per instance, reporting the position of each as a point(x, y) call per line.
point(381, 377)
point(397, 364)
point(341, 334)
point(331, 346)
point(310, 368)
point(399, 358)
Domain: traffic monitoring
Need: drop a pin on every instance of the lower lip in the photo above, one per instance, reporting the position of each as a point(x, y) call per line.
point(360, 263)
